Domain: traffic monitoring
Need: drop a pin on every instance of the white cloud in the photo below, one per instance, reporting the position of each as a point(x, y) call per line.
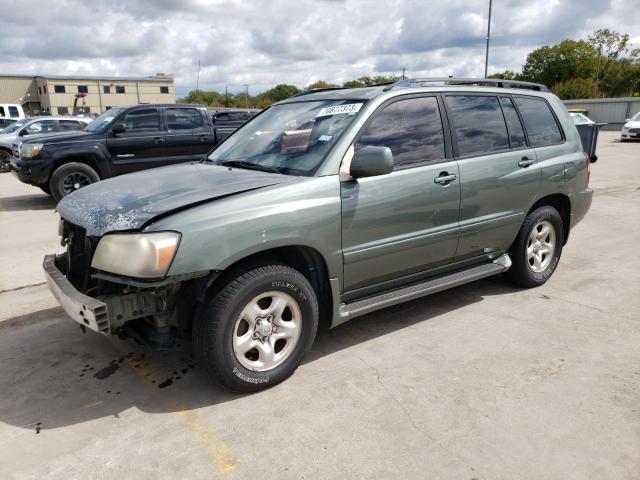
point(265, 43)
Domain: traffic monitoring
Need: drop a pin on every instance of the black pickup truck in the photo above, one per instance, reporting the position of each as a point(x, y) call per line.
point(120, 140)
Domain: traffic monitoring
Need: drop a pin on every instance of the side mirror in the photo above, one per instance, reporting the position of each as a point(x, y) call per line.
point(118, 128)
point(371, 161)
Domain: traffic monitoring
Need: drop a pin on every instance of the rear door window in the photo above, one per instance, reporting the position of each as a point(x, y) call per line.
point(542, 127)
point(478, 124)
point(183, 119)
point(142, 120)
point(411, 128)
point(516, 132)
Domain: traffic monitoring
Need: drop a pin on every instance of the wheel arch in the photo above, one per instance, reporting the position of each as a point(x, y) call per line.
point(562, 204)
point(307, 260)
point(89, 160)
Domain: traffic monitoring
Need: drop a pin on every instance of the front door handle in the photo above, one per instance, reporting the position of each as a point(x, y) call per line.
point(525, 162)
point(203, 137)
point(444, 178)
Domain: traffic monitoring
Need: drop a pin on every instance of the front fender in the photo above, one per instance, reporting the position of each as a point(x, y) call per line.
point(220, 233)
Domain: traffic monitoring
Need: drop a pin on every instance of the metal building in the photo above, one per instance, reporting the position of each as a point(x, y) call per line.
point(58, 94)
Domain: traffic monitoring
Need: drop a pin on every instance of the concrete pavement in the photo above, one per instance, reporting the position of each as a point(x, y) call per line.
point(483, 381)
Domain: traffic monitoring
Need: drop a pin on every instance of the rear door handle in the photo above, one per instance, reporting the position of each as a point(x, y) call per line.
point(445, 178)
point(525, 162)
point(158, 139)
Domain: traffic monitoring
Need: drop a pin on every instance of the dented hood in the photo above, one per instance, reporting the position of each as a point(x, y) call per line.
point(130, 201)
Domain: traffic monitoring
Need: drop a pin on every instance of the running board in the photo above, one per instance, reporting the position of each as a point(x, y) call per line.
point(387, 299)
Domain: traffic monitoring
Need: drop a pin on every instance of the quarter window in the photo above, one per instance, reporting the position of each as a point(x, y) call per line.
point(516, 133)
point(541, 125)
point(183, 118)
point(478, 124)
point(59, 89)
point(411, 128)
point(142, 120)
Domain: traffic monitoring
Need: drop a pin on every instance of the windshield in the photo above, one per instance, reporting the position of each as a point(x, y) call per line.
point(635, 118)
point(15, 126)
point(292, 138)
point(103, 120)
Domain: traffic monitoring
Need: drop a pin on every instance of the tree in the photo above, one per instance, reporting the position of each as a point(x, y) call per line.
point(506, 75)
point(575, 88)
point(560, 62)
point(610, 45)
point(281, 92)
point(321, 84)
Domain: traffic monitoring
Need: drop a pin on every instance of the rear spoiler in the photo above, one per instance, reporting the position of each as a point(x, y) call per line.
point(589, 136)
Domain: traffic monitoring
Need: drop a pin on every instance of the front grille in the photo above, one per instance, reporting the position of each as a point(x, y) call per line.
point(80, 249)
point(634, 130)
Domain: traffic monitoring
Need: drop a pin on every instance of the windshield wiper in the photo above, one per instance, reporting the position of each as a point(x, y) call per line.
point(249, 166)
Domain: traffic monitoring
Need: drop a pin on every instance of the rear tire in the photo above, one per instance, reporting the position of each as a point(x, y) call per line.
point(255, 331)
point(536, 251)
point(70, 177)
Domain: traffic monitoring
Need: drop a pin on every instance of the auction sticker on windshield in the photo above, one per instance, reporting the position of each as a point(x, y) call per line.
point(335, 110)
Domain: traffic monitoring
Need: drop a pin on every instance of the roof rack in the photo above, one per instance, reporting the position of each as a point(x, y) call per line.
point(315, 90)
point(498, 82)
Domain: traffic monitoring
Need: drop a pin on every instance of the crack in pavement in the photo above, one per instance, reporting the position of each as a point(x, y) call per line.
point(30, 285)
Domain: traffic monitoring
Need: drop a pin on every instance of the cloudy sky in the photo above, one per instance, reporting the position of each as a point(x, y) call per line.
point(263, 43)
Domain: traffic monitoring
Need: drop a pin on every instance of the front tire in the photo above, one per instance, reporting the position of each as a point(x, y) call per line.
point(255, 331)
point(5, 156)
point(70, 177)
point(536, 251)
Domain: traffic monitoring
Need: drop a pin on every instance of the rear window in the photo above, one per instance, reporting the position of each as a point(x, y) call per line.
point(542, 127)
point(13, 112)
point(478, 124)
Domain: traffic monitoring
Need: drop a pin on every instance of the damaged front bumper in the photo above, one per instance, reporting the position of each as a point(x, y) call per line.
point(87, 311)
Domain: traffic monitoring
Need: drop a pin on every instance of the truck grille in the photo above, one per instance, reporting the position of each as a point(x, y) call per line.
point(80, 249)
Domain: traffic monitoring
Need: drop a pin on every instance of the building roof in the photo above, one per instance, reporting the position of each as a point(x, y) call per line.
point(152, 78)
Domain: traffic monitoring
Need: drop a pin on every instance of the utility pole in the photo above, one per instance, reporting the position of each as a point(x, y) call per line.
point(403, 69)
point(226, 95)
point(246, 86)
point(486, 57)
point(198, 77)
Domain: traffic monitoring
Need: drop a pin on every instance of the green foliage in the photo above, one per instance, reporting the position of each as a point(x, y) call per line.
point(560, 62)
point(321, 84)
point(506, 75)
point(575, 88)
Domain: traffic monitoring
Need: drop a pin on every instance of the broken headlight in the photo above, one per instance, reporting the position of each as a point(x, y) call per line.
point(139, 255)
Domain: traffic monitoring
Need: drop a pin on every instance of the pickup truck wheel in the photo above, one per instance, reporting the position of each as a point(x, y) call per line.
point(255, 331)
point(70, 177)
point(536, 251)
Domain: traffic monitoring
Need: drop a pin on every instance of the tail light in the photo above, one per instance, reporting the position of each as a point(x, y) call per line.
point(588, 162)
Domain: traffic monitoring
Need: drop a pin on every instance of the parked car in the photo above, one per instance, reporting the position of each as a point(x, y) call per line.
point(631, 128)
point(30, 127)
point(11, 110)
point(228, 121)
point(120, 140)
point(5, 122)
point(325, 207)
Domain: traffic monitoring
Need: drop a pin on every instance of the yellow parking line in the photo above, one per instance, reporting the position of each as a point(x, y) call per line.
point(222, 455)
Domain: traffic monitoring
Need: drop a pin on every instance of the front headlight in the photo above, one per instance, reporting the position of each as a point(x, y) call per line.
point(30, 150)
point(139, 255)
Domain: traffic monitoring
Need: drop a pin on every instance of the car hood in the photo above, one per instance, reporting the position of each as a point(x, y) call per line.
point(635, 124)
point(131, 201)
point(59, 137)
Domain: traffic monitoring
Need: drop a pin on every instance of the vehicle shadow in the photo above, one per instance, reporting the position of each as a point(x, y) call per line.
point(27, 202)
point(53, 375)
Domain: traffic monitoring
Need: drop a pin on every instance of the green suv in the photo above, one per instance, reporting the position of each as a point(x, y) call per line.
point(324, 207)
